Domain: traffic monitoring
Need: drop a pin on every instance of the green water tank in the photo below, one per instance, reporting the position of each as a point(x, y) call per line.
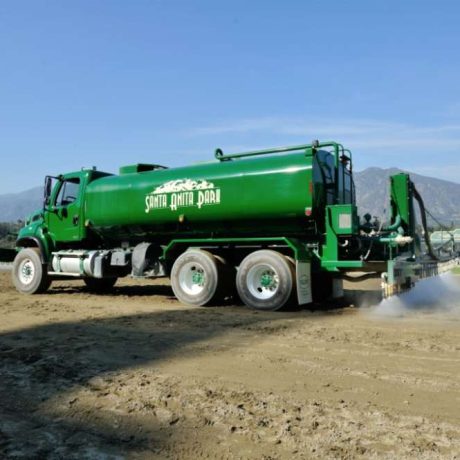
point(266, 195)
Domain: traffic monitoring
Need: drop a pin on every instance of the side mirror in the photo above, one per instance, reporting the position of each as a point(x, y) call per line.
point(47, 190)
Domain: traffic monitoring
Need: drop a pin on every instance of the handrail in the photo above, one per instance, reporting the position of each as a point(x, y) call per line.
point(219, 154)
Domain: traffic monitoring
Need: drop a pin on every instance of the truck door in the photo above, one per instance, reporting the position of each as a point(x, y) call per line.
point(64, 216)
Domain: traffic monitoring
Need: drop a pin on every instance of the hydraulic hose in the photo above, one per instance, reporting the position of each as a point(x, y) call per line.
point(421, 204)
point(394, 226)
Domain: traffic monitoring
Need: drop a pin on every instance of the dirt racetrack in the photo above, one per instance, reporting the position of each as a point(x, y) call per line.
point(137, 375)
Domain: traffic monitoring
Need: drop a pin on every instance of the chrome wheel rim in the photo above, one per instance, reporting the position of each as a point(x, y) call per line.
point(262, 281)
point(26, 271)
point(192, 278)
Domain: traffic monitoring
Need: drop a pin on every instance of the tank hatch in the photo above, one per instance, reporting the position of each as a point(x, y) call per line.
point(139, 167)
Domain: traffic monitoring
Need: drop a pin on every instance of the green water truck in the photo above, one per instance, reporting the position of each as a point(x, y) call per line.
point(277, 227)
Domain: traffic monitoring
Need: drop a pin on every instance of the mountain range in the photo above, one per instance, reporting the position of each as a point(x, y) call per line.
point(15, 206)
point(442, 198)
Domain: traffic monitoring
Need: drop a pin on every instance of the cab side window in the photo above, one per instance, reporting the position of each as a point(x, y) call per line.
point(68, 193)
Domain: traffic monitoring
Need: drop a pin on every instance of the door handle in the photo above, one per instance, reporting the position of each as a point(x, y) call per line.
point(75, 219)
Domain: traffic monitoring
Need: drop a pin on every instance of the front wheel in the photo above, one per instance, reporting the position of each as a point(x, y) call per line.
point(266, 280)
point(30, 276)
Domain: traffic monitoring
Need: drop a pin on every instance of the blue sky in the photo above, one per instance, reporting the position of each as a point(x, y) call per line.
point(108, 83)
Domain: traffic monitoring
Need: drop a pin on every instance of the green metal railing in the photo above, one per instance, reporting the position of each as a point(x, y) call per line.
point(219, 154)
point(340, 154)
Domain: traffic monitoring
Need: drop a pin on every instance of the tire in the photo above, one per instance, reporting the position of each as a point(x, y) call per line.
point(197, 278)
point(99, 285)
point(266, 280)
point(29, 275)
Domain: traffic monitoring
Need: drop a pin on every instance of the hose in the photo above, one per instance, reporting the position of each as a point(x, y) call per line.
point(395, 225)
point(426, 235)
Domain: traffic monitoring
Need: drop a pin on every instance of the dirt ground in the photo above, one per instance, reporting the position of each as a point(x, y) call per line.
point(137, 375)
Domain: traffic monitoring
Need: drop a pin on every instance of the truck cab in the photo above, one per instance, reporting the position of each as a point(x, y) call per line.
point(64, 214)
point(61, 221)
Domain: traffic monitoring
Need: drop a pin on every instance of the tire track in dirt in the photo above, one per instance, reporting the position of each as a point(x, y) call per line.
point(137, 375)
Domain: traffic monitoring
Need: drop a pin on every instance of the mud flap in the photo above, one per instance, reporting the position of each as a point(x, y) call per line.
point(303, 278)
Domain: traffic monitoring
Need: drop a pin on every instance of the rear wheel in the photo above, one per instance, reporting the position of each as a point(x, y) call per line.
point(99, 284)
point(265, 280)
point(199, 278)
point(30, 276)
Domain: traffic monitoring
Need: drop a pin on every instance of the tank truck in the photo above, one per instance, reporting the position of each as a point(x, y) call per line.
point(278, 226)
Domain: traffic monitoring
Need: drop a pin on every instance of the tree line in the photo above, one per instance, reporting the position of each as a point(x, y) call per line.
point(8, 233)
